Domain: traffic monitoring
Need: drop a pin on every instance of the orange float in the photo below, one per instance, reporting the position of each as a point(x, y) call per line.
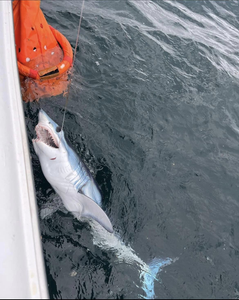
point(44, 55)
point(53, 71)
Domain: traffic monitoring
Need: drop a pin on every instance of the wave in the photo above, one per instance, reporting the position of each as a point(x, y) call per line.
point(217, 38)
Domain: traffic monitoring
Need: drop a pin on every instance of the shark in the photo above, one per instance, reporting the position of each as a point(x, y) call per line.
point(67, 174)
point(74, 184)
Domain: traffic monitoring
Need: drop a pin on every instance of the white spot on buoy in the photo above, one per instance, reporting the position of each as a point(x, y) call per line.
point(35, 49)
point(27, 59)
point(52, 53)
point(45, 47)
point(62, 66)
point(37, 66)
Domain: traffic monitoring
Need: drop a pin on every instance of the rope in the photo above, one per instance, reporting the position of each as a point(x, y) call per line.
point(69, 85)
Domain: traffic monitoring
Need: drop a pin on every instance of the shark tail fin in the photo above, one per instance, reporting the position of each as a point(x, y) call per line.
point(148, 277)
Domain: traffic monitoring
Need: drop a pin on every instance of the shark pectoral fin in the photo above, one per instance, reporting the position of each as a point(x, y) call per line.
point(92, 210)
point(90, 190)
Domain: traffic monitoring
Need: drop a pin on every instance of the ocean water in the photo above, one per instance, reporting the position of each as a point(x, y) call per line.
point(154, 113)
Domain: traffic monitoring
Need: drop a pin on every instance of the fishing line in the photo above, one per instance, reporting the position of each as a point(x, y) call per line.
point(69, 85)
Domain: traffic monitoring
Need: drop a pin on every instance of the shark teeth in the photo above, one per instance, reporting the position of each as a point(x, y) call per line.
point(44, 135)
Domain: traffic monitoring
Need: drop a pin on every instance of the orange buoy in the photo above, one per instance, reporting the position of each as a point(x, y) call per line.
point(44, 55)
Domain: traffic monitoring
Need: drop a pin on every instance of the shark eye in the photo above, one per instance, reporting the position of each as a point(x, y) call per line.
point(58, 129)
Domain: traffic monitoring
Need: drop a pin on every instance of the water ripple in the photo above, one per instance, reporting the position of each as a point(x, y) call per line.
point(217, 38)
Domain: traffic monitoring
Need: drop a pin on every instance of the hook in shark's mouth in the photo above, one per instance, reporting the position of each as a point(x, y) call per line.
point(44, 135)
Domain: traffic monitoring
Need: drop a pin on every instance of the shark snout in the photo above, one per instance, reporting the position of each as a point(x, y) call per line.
point(43, 117)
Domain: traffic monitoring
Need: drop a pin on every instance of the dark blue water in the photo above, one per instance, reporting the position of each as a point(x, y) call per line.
point(154, 114)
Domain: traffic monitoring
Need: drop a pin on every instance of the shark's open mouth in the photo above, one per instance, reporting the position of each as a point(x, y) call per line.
point(44, 135)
